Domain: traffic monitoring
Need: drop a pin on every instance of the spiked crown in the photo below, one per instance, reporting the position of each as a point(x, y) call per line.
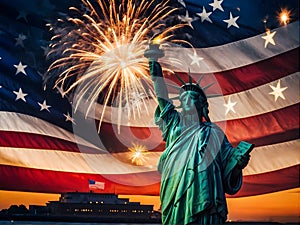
point(192, 86)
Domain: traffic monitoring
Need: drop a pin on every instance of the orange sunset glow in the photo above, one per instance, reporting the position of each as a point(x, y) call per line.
point(280, 206)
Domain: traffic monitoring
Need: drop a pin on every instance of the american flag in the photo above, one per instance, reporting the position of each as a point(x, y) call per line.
point(96, 185)
point(243, 45)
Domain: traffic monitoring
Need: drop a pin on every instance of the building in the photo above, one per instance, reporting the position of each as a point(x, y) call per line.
point(91, 206)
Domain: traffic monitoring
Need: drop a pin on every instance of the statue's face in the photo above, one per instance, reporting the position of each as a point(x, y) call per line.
point(190, 102)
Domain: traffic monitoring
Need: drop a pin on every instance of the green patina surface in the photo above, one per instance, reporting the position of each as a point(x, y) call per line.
point(199, 165)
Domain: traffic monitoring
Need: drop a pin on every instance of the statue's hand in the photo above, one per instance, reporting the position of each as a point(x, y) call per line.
point(243, 161)
point(154, 52)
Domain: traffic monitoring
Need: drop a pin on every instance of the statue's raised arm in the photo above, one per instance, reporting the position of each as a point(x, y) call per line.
point(160, 88)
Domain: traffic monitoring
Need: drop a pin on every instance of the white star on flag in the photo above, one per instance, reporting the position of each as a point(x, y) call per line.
point(20, 95)
point(69, 118)
point(44, 106)
point(277, 91)
point(217, 5)
point(231, 21)
point(187, 19)
point(229, 106)
point(20, 68)
point(205, 15)
point(182, 3)
point(195, 59)
point(46, 50)
point(22, 14)
point(20, 39)
point(269, 38)
point(61, 91)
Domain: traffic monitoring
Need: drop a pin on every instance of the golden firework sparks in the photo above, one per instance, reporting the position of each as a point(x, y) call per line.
point(284, 16)
point(101, 53)
point(138, 154)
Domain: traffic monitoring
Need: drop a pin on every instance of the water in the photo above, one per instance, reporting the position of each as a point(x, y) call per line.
point(65, 223)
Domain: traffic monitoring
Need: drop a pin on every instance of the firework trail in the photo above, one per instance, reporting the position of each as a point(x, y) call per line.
point(100, 53)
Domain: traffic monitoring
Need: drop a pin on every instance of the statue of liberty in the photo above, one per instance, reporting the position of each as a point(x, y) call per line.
point(198, 165)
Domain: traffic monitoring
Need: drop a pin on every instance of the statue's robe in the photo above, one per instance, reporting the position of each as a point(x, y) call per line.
point(196, 169)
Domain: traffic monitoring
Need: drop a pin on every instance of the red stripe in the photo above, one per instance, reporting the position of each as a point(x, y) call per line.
point(47, 181)
point(35, 180)
point(270, 128)
point(278, 126)
point(150, 137)
point(247, 77)
point(37, 141)
point(278, 180)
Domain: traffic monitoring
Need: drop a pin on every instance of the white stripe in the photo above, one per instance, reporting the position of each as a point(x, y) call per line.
point(263, 159)
point(12, 121)
point(252, 102)
point(256, 101)
point(273, 157)
point(74, 161)
point(235, 54)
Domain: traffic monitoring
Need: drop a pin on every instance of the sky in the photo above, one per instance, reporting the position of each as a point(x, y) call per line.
point(280, 206)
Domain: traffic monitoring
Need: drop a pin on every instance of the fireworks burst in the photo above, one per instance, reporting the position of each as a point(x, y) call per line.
point(284, 16)
point(138, 156)
point(101, 53)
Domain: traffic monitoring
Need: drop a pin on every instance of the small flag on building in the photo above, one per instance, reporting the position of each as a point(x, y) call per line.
point(96, 185)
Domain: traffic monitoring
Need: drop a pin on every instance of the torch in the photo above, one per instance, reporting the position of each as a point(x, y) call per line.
point(154, 52)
